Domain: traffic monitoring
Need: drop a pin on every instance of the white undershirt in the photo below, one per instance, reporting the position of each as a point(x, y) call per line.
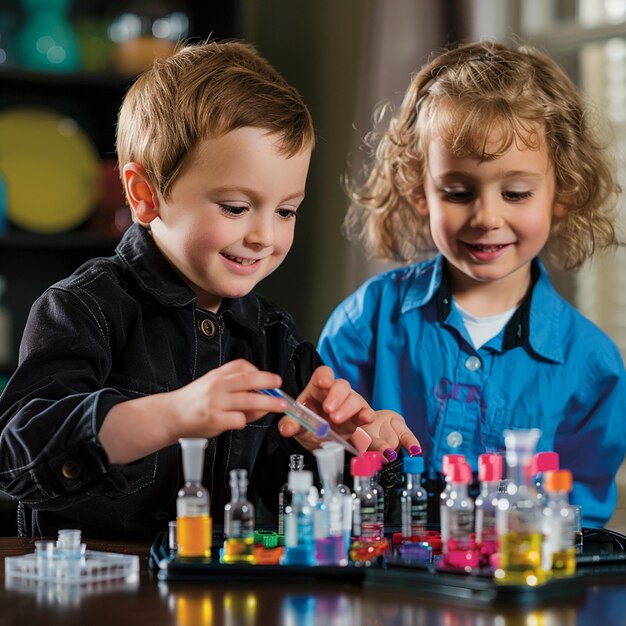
point(482, 329)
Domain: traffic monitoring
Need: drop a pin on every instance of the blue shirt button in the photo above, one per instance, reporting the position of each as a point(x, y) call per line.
point(454, 439)
point(473, 363)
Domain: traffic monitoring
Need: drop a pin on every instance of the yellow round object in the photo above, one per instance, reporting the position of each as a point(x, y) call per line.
point(50, 167)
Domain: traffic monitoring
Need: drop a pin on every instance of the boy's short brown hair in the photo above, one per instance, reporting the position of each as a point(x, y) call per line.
point(200, 92)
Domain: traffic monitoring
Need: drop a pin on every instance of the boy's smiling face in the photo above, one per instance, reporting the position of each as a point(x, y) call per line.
point(230, 217)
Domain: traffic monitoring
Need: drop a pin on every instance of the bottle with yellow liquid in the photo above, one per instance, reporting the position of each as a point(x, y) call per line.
point(239, 521)
point(518, 516)
point(193, 520)
point(559, 551)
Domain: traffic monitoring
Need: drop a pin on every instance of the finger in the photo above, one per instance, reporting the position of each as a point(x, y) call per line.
point(409, 442)
point(385, 448)
point(288, 427)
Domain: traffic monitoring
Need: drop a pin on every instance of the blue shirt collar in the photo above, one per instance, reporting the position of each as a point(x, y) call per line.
point(535, 324)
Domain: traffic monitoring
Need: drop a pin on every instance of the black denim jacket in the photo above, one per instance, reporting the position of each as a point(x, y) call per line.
point(120, 328)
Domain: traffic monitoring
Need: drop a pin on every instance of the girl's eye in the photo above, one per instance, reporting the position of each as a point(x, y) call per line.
point(516, 196)
point(232, 209)
point(286, 214)
point(460, 196)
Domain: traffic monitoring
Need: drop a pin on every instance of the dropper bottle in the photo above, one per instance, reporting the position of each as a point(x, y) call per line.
point(328, 516)
point(459, 551)
point(239, 521)
point(296, 463)
point(299, 530)
point(346, 494)
point(543, 462)
point(489, 477)
point(193, 520)
point(446, 467)
point(518, 517)
point(559, 551)
point(377, 463)
point(413, 501)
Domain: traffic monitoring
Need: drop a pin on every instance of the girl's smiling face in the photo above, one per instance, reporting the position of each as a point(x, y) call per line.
point(489, 218)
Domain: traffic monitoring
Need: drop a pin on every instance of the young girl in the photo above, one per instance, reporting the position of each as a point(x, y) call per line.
point(491, 159)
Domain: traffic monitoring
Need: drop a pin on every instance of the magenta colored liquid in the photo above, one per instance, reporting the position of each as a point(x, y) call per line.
point(330, 551)
point(462, 555)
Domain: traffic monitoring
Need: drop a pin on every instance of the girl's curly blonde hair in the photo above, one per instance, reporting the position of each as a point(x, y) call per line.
point(463, 96)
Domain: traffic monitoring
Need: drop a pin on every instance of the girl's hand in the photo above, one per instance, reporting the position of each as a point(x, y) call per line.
point(332, 399)
point(221, 400)
point(389, 433)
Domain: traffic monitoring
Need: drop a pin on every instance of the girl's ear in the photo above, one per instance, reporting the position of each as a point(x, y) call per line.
point(418, 200)
point(141, 195)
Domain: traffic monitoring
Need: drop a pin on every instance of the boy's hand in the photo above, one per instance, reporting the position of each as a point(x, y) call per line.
point(389, 433)
point(332, 399)
point(222, 400)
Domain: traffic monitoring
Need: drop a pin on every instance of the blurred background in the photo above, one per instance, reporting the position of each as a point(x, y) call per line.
point(65, 66)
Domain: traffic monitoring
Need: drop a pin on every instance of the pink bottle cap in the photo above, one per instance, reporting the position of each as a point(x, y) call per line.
point(460, 472)
point(362, 466)
point(545, 462)
point(449, 460)
point(489, 467)
point(376, 457)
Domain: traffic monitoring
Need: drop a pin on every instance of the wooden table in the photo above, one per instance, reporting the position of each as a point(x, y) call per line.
point(152, 602)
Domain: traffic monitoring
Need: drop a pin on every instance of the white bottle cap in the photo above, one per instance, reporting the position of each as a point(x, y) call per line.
point(300, 480)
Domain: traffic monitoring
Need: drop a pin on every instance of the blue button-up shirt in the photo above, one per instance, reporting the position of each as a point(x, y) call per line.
point(402, 344)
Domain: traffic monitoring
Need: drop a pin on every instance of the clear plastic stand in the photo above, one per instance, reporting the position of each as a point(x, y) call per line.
point(67, 561)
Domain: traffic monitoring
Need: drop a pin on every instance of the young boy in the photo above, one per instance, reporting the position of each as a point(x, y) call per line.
point(166, 339)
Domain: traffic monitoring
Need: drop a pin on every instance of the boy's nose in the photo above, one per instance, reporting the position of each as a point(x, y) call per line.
point(261, 232)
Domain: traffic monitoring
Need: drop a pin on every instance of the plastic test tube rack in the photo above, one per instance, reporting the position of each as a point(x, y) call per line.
point(67, 561)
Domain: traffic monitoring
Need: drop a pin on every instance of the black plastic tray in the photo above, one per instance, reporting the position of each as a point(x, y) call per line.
point(470, 588)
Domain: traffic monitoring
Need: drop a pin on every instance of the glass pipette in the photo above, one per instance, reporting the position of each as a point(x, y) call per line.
point(310, 420)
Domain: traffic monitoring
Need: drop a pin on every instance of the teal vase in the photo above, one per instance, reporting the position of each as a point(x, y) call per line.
point(46, 40)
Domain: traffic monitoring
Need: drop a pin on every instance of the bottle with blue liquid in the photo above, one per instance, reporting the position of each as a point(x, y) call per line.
point(299, 529)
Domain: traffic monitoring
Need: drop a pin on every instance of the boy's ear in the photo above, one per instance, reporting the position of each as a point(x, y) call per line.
point(141, 195)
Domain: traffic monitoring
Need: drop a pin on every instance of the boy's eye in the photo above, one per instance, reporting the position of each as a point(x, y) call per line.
point(516, 196)
point(232, 209)
point(286, 214)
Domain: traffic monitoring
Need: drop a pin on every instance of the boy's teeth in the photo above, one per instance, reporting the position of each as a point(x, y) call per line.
point(487, 248)
point(238, 259)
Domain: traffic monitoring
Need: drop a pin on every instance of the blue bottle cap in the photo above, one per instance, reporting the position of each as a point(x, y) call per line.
point(413, 464)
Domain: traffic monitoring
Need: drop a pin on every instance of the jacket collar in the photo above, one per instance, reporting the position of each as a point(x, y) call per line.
point(157, 276)
point(535, 323)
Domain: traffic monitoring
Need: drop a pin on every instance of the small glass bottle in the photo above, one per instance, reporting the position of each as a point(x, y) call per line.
point(413, 500)
point(193, 520)
point(446, 466)
point(460, 549)
point(543, 462)
point(239, 521)
point(339, 457)
point(518, 518)
point(296, 463)
point(377, 463)
point(366, 525)
point(559, 550)
point(299, 532)
point(489, 477)
point(328, 515)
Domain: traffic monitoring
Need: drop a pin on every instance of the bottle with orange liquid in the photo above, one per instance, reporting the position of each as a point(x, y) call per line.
point(193, 520)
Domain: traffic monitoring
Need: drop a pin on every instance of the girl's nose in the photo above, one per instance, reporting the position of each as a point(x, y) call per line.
point(486, 215)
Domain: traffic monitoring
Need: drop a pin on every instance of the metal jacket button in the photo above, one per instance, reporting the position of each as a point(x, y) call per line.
point(207, 327)
point(70, 469)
